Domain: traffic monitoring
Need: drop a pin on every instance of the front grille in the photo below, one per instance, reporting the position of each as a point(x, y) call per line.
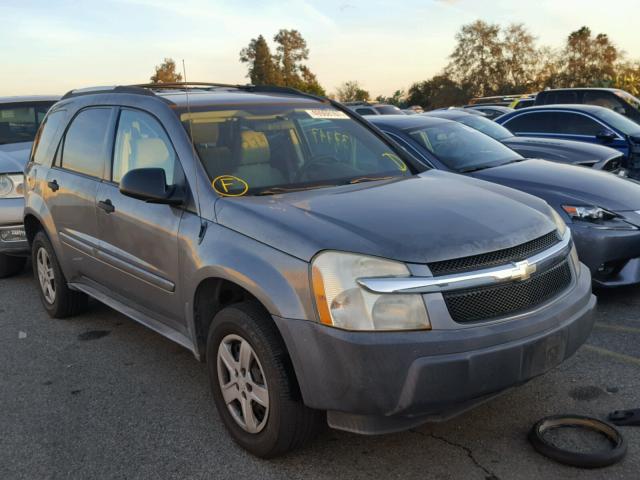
point(486, 303)
point(492, 259)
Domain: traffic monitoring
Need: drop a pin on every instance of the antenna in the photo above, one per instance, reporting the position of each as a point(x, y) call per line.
point(203, 225)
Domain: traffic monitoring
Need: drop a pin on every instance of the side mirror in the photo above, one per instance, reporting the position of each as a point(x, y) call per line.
point(150, 185)
point(606, 136)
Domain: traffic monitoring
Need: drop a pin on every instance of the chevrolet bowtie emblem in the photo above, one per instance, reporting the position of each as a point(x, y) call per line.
point(522, 270)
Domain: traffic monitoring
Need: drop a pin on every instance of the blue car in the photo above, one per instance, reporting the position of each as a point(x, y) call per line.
point(586, 123)
point(602, 209)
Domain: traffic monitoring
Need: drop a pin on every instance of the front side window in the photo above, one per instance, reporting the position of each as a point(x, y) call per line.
point(534, 122)
point(602, 99)
point(462, 148)
point(262, 149)
point(141, 142)
point(85, 147)
point(19, 122)
point(576, 124)
point(46, 135)
point(366, 111)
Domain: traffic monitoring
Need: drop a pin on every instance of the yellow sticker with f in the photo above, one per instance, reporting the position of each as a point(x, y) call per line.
point(229, 186)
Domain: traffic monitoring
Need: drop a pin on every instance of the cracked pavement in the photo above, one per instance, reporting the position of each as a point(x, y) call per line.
point(99, 396)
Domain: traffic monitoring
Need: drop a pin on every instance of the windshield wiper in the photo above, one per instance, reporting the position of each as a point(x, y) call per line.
point(277, 190)
point(368, 179)
point(474, 169)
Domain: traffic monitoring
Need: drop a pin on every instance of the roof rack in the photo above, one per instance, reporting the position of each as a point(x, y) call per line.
point(148, 89)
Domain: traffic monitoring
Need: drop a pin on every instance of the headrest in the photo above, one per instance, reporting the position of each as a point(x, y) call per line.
point(255, 148)
point(150, 152)
point(205, 132)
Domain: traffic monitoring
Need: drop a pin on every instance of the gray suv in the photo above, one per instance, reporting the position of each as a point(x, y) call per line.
point(322, 273)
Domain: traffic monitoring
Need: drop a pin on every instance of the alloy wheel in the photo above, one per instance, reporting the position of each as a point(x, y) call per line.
point(46, 275)
point(243, 383)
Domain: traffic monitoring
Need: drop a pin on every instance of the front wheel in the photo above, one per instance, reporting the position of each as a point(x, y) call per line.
point(253, 384)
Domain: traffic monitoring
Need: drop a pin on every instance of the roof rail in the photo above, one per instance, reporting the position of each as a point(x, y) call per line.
point(111, 89)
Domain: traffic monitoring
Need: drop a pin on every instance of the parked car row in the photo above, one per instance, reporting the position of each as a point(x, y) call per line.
point(370, 273)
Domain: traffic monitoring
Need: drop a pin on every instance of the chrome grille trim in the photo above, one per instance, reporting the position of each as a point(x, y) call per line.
point(479, 278)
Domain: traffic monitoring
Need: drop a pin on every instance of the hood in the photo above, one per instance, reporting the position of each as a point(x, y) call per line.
point(560, 184)
point(558, 150)
point(430, 217)
point(14, 157)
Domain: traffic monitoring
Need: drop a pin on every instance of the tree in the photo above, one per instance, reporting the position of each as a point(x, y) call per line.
point(292, 50)
point(520, 60)
point(166, 72)
point(263, 69)
point(351, 91)
point(589, 61)
point(438, 92)
point(397, 99)
point(285, 67)
point(477, 60)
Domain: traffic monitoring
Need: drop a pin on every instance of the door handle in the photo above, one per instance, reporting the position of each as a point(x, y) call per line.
point(106, 205)
point(53, 185)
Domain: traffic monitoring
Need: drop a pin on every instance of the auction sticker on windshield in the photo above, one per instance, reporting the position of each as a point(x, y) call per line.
point(326, 113)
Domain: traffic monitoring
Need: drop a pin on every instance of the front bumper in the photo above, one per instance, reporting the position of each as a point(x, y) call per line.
point(11, 212)
point(379, 382)
point(613, 256)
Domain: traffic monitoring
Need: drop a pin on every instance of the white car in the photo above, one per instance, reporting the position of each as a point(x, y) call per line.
point(20, 118)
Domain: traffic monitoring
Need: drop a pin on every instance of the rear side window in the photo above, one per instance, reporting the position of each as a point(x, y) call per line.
point(43, 143)
point(365, 111)
point(534, 122)
point(85, 148)
point(555, 98)
point(141, 142)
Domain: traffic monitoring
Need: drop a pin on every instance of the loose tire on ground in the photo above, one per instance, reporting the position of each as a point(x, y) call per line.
point(58, 299)
point(289, 424)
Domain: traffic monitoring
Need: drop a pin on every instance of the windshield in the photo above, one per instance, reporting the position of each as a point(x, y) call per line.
point(266, 149)
point(19, 122)
point(464, 149)
point(618, 121)
point(486, 126)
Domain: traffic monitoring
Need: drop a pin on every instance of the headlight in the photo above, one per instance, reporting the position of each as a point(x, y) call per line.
point(12, 185)
point(597, 217)
point(342, 303)
point(560, 225)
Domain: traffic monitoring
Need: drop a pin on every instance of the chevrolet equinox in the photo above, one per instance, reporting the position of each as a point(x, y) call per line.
point(322, 273)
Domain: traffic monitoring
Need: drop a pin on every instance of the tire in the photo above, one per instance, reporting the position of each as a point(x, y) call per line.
point(10, 266)
point(286, 423)
point(64, 302)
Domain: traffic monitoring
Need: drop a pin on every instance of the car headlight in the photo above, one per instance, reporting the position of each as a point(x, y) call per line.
point(343, 303)
point(597, 217)
point(12, 185)
point(560, 224)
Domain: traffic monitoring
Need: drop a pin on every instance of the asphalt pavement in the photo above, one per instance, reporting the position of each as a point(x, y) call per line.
point(100, 396)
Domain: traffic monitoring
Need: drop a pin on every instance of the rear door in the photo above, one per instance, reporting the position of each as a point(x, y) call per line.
point(71, 187)
point(139, 240)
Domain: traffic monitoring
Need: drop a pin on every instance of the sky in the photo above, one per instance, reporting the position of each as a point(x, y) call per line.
point(52, 46)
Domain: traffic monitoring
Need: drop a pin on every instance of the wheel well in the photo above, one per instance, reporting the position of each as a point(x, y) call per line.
point(31, 227)
point(212, 295)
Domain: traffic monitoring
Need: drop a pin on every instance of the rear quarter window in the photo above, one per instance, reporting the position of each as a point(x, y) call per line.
point(85, 148)
point(44, 143)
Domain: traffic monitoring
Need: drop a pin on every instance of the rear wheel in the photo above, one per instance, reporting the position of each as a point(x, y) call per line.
point(253, 384)
point(57, 298)
point(10, 266)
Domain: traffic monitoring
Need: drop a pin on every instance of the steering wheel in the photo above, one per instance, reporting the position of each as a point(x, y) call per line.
point(315, 163)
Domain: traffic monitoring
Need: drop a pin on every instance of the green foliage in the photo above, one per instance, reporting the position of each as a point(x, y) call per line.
point(166, 72)
point(351, 91)
point(397, 99)
point(285, 68)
